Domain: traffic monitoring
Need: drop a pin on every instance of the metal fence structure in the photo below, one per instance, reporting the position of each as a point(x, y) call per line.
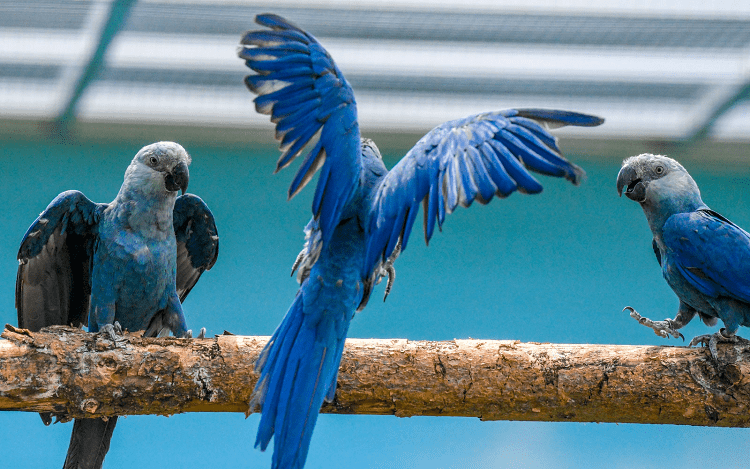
point(656, 70)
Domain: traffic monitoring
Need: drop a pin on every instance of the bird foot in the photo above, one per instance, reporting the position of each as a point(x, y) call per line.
point(112, 331)
point(663, 328)
point(712, 341)
point(189, 334)
point(387, 269)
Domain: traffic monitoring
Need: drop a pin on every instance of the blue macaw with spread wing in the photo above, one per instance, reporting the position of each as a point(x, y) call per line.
point(363, 214)
point(704, 257)
point(129, 263)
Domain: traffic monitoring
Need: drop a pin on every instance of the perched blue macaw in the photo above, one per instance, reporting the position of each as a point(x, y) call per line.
point(128, 263)
point(704, 257)
point(363, 214)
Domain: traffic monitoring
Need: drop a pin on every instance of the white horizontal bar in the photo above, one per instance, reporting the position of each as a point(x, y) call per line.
point(730, 9)
point(402, 58)
point(397, 112)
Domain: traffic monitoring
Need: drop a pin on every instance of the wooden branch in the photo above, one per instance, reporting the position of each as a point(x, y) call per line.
point(76, 374)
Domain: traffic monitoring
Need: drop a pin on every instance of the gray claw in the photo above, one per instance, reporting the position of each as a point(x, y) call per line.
point(387, 269)
point(391, 277)
point(661, 328)
point(712, 340)
point(112, 331)
point(189, 334)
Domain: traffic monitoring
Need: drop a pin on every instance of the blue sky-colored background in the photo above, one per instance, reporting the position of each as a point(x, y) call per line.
point(556, 267)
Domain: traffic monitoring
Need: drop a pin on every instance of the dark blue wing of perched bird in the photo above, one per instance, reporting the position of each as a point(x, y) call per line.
point(362, 213)
point(54, 273)
point(57, 282)
point(197, 241)
point(699, 242)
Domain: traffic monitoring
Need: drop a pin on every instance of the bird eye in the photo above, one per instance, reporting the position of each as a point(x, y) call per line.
point(659, 169)
point(153, 161)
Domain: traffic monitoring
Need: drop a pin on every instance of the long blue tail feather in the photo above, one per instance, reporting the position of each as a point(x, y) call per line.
point(298, 367)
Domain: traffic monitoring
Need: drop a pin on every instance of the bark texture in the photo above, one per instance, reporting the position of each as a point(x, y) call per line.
point(75, 374)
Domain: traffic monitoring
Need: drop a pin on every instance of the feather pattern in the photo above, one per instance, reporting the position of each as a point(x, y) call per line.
point(468, 159)
point(696, 240)
point(310, 97)
point(54, 273)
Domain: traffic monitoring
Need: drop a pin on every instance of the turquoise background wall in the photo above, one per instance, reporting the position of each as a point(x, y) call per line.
point(556, 267)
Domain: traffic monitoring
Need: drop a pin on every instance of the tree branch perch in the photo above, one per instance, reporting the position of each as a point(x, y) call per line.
point(75, 374)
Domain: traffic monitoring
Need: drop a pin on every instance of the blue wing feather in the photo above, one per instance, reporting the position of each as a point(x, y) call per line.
point(525, 182)
point(430, 212)
point(557, 117)
point(276, 64)
point(460, 161)
point(537, 130)
point(500, 177)
point(529, 156)
point(412, 215)
point(272, 38)
point(698, 243)
point(306, 94)
point(486, 187)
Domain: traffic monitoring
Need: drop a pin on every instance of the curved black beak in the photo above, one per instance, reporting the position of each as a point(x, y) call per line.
point(636, 187)
point(178, 178)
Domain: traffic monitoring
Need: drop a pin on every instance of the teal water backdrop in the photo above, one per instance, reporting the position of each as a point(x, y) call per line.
point(555, 267)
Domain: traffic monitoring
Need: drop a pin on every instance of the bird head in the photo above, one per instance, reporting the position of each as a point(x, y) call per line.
point(161, 167)
point(370, 150)
point(658, 183)
point(372, 158)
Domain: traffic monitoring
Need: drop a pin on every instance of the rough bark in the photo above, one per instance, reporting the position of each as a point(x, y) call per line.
point(75, 374)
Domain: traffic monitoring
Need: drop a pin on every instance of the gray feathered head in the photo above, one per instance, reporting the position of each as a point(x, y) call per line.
point(647, 177)
point(161, 167)
point(661, 185)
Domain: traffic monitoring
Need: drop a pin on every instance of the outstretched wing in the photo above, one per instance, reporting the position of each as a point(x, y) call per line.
point(460, 161)
point(301, 88)
point(711, 252)
point(53, 284)
point(197, 241)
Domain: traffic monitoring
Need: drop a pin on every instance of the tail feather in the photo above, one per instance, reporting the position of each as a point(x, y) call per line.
point(272, 372)
point(297, 367)
point(89, 443)
point(331, 393)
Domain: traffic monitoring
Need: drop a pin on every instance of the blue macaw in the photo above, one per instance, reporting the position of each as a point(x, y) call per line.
point(704, 257)
point(129, 263)
point(363, 214)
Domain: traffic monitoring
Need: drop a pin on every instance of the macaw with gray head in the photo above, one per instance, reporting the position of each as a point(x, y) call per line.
point(363, 213)
point(129, 263)
point(704, 257)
